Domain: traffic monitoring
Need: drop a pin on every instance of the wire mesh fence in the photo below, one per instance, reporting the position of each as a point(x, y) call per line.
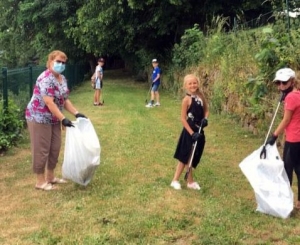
point(17, 84)
point(288, 15)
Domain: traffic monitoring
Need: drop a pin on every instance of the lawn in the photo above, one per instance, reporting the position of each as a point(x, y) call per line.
point(129, 200)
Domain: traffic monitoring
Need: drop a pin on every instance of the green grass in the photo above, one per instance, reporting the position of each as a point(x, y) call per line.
point(129, 200)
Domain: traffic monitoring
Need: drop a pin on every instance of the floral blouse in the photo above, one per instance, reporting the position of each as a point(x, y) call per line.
point(46, 85)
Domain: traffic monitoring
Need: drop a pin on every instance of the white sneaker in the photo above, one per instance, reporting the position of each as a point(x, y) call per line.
point(176, 185)
point(149, 105)
point(157, 104)
point(194, 186)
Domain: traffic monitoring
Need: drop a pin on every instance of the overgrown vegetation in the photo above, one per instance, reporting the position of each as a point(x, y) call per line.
point(11, 125)
point(237, 68)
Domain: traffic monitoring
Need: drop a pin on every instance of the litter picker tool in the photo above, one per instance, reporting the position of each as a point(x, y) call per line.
point(148, 93)
point(101, 91)
point(192, 154)
point(263, 151)
point(102, 96)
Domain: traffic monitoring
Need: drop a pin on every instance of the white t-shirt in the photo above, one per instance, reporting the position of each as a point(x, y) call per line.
point(98, 69)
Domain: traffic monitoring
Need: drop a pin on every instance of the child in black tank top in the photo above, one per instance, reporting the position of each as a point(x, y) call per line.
point(194, 112)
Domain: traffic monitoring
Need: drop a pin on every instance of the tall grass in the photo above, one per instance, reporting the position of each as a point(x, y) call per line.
point(237, 68)
point(129, 200)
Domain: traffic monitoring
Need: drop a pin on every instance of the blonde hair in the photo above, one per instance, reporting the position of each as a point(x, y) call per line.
point(53, 55)
point(199, 92)
point(296, 83)
point(189, 77)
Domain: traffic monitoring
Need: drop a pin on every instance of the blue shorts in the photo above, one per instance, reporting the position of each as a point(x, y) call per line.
point(155, 87)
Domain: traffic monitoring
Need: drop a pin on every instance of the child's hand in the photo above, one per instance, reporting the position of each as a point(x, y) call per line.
point(195, 136)
point(204, 122)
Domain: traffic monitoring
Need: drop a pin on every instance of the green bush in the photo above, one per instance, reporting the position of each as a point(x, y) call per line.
point(11, 126)
point(21, 101)
point(190, 50)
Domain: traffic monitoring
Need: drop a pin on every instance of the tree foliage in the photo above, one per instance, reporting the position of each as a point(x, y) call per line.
point(127, 28)
point(36, 28)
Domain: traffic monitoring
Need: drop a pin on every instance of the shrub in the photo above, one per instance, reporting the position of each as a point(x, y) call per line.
point(189, 52)
point(11, 126)
point(21, 101)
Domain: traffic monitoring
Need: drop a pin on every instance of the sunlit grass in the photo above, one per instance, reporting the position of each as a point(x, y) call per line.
point(129, 200)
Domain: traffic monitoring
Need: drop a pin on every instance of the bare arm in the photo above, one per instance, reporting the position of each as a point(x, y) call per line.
point(206, 112)
point(49, 101)
point(157, 77)
point(205, 105)
point(184, 107)
point(93, 78)
point(284, 122)
point(70, 108)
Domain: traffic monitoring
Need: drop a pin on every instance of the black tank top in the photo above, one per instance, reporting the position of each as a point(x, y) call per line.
point(195, 113)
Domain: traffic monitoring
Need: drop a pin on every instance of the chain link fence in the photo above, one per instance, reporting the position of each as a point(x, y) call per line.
point(17, 84)
point(288, 15)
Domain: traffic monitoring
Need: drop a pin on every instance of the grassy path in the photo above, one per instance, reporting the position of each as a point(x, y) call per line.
point(129, 200)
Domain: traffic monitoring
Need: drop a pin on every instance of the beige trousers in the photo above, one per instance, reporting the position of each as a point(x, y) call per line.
point(45, 141)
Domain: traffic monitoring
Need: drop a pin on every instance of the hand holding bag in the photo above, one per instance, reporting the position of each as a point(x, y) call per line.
point(269, 180)
point(82, 152)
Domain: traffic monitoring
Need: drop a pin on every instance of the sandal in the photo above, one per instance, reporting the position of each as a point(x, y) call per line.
point(45, 187)
point(58, 181)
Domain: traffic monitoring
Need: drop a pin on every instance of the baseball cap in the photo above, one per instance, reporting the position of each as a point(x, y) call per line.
point(100, 60)
point(154, 61)
point(284, 74)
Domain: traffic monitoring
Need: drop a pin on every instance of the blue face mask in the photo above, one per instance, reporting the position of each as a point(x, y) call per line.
point(59, 67)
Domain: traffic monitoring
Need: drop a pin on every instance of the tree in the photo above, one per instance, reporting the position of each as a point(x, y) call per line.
point(31, 29)
point(147, 27)
point(135, 30)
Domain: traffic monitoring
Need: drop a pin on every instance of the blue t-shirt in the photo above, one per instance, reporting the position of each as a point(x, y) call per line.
point(155, 72)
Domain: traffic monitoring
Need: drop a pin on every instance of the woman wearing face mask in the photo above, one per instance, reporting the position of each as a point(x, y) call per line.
point(286, 82)
point(44, 118)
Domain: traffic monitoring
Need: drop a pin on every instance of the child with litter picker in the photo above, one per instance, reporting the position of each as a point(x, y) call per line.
point(194, 113)
point(285, 80)
point(97, 82)
point(155, 84)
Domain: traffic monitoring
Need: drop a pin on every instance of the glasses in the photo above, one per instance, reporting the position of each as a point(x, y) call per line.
point(59, 61)
point(281, 82)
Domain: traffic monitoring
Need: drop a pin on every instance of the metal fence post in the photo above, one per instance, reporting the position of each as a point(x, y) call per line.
point(30, 81)
point(5, 89)
point(75, 73)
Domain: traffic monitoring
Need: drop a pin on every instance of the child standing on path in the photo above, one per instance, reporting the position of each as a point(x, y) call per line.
point(97, 82)
point(194, 112)
point(155, 84)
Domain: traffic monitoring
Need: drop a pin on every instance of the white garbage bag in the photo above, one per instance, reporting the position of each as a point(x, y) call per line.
point(269, 180)
point(82, 152)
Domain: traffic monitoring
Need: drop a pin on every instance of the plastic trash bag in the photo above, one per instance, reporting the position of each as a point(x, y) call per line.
point(269, 180)
point(82, 152)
